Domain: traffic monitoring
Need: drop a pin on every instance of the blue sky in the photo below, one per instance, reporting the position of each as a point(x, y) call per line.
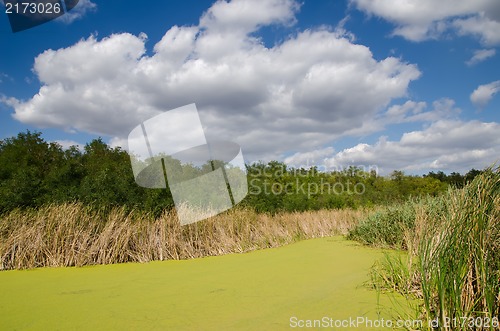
point(410, 85)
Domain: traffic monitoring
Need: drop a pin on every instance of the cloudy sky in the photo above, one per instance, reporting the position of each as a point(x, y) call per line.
point(398, 84)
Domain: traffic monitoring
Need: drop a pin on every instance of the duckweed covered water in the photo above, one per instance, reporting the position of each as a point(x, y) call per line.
point(272, 289)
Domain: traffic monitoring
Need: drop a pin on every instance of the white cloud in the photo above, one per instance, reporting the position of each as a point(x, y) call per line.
point(446, 145)
point(481, 26)
point(304, 160)
point(304, 92)
point(408, 107)
point(66, 144)
point(341, 31)
point(246, 16)
point(82, 8)
point(483, 93)
point(9, 101)
point(419, 20)
point(412, 111)
point(480, 55)
point(85, 87)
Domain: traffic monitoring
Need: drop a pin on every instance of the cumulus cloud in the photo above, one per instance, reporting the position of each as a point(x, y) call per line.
point(409, 107)
point(307, 159)
point(413, 111)
point(446, 142)
point(446, 145)
point(247, 15)
point(419, 20)
point(480, 55)
point(304, 92)
point(481, 26)
point(66, 144)
point(484, 93)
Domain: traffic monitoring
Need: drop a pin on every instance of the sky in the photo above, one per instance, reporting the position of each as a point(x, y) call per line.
point(411, 85)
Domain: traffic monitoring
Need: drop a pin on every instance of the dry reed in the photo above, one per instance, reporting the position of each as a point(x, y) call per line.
point(75, 235)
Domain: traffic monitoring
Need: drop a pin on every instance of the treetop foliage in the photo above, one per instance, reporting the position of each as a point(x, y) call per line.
point(34, 172)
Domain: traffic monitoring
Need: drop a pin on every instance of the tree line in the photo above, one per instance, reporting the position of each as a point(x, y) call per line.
point(34, 172)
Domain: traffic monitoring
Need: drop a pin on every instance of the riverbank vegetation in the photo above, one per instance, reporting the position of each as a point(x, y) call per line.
point(72, 234)
point(36, 173)
point(453, 261)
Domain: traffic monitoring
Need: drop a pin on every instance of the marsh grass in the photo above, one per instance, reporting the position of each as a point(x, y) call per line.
point(386, 227)
point(452, 263)
point(459, 256)
point(76, 235)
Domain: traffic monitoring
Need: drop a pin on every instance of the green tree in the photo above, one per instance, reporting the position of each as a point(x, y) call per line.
point(27, 162)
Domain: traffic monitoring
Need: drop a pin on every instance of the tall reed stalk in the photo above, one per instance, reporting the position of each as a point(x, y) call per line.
point(453, 260)
point(459, 258)
point(76, 235)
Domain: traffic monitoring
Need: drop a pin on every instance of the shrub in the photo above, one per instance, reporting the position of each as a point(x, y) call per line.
point(386, 227)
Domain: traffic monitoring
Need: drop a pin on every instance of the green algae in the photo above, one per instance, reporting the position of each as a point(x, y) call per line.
point(261, 290)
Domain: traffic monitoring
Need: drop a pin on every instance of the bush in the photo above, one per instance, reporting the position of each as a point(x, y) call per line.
point(386, 227)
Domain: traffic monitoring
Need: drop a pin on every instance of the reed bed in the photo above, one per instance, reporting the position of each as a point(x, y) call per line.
point(453, 260)
point(75, 235)
point(459, 258)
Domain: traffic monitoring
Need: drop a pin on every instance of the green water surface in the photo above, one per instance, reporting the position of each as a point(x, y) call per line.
point(262, 290)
